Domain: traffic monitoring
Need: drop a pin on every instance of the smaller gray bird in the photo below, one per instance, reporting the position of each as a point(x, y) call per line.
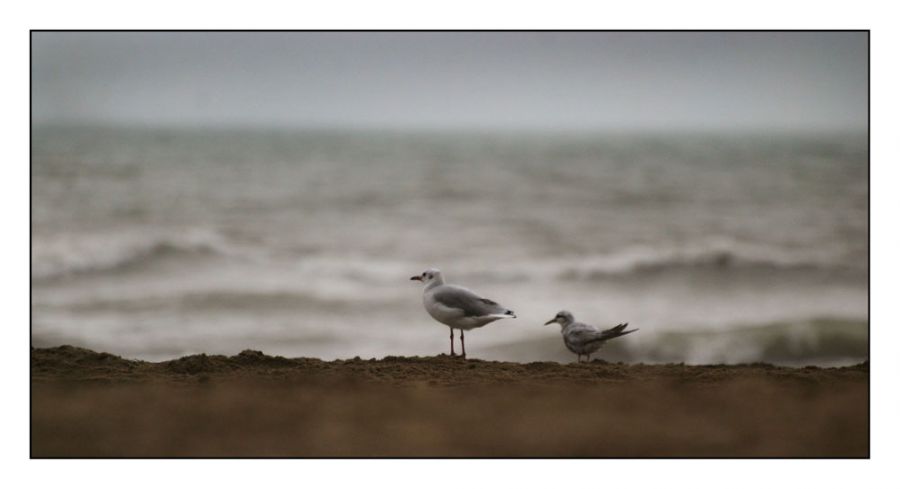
point(584, 339)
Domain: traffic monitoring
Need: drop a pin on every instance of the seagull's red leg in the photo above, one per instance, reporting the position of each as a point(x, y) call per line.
point(452, 353)
point(462, 340)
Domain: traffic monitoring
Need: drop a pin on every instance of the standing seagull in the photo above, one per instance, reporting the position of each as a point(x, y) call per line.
point(584, 339)
point(458, 307)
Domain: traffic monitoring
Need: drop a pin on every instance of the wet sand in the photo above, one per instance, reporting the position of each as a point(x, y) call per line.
point(89, 404)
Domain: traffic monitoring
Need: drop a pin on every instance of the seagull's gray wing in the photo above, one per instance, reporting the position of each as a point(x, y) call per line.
point(470, 303)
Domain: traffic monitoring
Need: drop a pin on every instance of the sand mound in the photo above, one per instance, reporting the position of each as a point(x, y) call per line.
point(71, 363)
point(86, 403)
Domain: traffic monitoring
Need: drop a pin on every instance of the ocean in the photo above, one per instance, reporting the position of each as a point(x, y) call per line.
point(719, 247)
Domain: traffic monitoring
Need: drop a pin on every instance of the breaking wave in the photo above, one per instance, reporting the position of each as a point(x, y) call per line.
point(643, 261)
point(823, 341)
point(106, 254)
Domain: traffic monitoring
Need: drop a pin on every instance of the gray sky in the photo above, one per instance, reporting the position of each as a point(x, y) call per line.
point(454, 80)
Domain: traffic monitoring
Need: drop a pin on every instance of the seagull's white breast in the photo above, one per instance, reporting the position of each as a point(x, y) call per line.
point(440, 312)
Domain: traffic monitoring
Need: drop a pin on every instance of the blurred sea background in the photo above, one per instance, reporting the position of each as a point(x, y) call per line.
point(210, 192)
point(719, 246)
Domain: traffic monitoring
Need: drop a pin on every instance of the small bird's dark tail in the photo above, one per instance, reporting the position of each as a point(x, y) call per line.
point(617, 331)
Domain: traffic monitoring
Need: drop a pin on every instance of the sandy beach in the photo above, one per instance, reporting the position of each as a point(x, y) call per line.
point(89, 404)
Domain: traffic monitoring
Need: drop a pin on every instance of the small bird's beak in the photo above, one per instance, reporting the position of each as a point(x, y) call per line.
point(550, 321)
point(417, 277)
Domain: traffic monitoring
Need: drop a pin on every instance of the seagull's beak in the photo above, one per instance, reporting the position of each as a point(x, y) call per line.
point(416, 277)
point(550, 321)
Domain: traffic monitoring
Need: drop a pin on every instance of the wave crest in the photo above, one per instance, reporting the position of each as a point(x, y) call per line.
point(105, 254)
point(637, 261)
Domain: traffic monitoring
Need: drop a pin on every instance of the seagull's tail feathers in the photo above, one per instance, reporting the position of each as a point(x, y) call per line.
point(502, 315)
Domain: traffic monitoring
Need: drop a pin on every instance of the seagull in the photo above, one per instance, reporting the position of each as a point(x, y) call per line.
point(458, 307)
point(584, 339)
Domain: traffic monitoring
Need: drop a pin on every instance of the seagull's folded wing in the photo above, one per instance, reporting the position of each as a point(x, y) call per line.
point(470, 303)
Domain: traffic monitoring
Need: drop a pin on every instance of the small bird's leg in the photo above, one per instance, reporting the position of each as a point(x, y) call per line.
point(579, 358)
point(589, 358)
point(462, 340)
point(452, 352)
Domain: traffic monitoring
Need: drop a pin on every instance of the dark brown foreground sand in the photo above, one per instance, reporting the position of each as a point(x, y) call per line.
point(88, 404)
